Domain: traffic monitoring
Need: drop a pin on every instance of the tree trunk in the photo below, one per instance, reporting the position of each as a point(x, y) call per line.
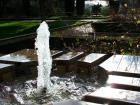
point(1, 8)
point(26, 7)
point(50, 7)
point(46, 8)
point(69, 7)
point(42, 9)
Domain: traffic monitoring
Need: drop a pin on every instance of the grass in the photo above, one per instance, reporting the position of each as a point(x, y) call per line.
point(16, 28)
point(63, 24)
point(78, 17)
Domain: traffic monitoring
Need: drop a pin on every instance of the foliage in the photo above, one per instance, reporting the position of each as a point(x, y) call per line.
point(128, 10)
point(109, 45)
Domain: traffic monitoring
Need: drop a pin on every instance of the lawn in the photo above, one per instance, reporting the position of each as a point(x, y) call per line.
point(16, 28)
point(13, 28)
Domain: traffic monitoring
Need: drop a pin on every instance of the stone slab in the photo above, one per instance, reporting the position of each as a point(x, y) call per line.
point(4, 65)
point(69, 56)
point(92, 60)
point(111, 95)
point(74, 102)
point(67, 62)
point(122, 63)
point(124, 80)
point(129, 83)
point(25, 55)
point(91, 57)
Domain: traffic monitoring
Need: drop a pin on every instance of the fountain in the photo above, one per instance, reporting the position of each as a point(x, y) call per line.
point(57, 88)
point(44, 57)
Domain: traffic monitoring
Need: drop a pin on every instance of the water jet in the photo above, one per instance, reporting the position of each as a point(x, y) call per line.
point(44, 57)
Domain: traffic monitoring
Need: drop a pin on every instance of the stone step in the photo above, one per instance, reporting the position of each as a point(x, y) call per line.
point(25, 56)
point(125, 65)
point(123, 82)
point(90, 58)
point(94, 59)
point(89, 61)
point(69, 57)
point(25, 61)
point(6, 72)
point(67, 62)
point(73, 102)
point(113, 96)
point(127, 74)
